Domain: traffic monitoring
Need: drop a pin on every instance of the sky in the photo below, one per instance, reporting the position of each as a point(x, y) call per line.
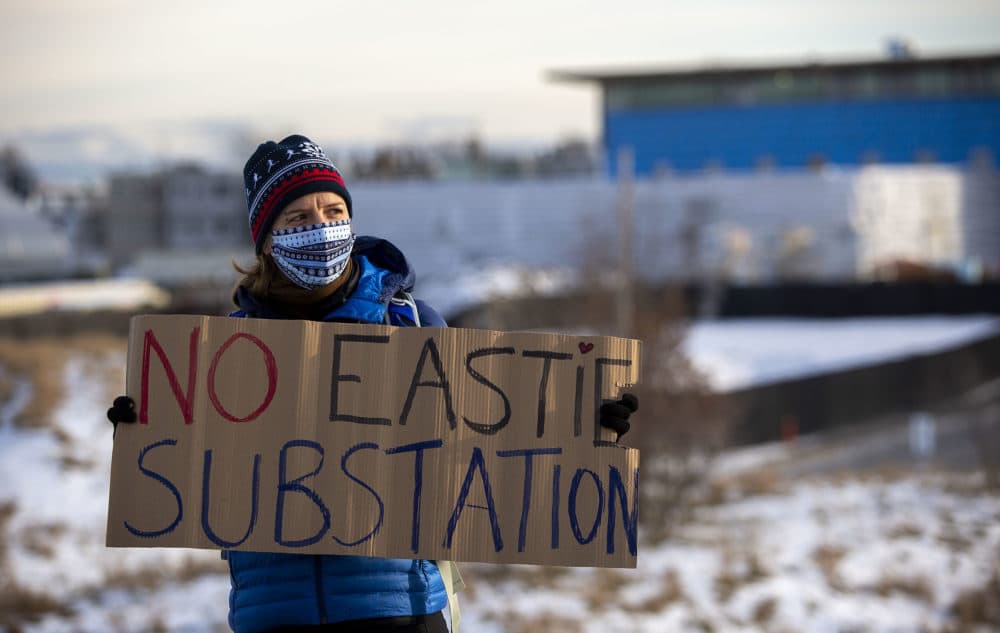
point(116, 80)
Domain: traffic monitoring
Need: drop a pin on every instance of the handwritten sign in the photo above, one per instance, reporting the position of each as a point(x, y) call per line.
point(437, 443)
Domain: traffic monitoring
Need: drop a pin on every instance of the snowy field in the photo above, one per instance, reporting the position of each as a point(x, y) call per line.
point(903, 551)
point(738, 353)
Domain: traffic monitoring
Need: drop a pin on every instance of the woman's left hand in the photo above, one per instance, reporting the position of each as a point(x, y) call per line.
point(615, 415)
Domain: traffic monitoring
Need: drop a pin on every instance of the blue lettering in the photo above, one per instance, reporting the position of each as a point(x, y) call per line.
point(169, 486)
point(556, 470)
point(528, 454)
point(295, 486)
point(378, 500)
point(475, 463)
point(574, 522)
point(206, 503)
point(629, 519)
point(418, 481)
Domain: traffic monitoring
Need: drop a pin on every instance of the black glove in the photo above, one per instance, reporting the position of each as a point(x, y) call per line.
point(614, 415)
point(122, 410)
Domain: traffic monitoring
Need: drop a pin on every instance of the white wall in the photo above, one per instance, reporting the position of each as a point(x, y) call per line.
point(30, 247)
point(829, 224)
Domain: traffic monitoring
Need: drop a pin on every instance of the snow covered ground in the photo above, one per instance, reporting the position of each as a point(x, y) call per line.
point(737, 353)
point(901, 552)
point(850, 555)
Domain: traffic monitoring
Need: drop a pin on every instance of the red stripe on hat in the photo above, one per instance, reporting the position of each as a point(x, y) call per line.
point(312, 175)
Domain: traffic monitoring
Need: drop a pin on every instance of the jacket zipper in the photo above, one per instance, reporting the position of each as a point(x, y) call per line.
point(318, 569)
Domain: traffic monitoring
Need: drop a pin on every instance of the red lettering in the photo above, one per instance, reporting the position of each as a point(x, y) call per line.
point(272, 377)
point(186, 401)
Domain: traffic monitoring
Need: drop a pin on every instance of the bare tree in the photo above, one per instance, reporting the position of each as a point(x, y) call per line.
point(18, 176)
point(680, 425)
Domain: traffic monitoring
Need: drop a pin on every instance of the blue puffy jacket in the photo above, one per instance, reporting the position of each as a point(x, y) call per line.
point(271, 590)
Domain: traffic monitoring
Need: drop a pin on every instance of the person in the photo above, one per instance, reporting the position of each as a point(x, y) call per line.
point(310, 265)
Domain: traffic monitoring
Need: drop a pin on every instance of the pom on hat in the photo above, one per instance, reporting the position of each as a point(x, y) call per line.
point(278, 173)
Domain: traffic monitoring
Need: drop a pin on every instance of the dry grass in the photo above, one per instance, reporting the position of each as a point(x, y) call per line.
point(760, 481)
point(973, 484)
point(905, 531)
point(158, 625)
point(915, 587)
point(7, 511)
point(763, 481)
point(955, 541)
point(542, 623)
point(147, 578)
point(533, 576)
point(877, 474)
point(827, 558)
point(40, 361)
point(196, 567)
point(38, 539)
point(764, 611)
point(151, 578)
point(699, 623)
point(70, 462)
point(670, 593)
point(20, 606)
point(980, 606)
point(6, 388)
point(726, 585)
point(605, 589)
point(738, 571)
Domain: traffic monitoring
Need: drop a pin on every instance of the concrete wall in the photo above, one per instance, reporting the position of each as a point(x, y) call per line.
point(819, 225)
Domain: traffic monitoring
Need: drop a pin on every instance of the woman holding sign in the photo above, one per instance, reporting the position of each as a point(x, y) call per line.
point(310, 265)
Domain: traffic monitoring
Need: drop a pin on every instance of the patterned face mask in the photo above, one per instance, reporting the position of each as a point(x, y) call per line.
point(315, 255)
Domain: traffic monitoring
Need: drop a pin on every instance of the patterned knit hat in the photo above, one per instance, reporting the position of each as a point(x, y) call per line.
point(278, 173)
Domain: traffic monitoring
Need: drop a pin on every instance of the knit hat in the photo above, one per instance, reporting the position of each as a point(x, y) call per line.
point(278, 173)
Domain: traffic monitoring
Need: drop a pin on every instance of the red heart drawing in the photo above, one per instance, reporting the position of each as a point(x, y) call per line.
point(585, 347)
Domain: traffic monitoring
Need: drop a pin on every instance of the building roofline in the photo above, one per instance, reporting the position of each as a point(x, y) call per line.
point(746, 68)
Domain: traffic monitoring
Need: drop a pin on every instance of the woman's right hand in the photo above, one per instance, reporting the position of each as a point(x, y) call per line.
point(122, 410)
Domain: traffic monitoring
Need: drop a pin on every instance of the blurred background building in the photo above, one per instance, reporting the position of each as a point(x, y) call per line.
point(905, 148)
point(900, 109)
point(863, 170)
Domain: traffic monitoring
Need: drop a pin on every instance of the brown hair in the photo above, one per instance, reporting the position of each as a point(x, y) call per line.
point(258, 276)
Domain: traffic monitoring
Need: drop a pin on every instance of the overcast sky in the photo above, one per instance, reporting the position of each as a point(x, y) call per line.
point(363, 72)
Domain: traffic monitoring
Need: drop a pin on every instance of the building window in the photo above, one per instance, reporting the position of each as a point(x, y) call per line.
point(865, 85)
point(933, 83)
point(804, 84)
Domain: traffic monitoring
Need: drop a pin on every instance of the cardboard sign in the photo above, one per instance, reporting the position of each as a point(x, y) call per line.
point(434, 443)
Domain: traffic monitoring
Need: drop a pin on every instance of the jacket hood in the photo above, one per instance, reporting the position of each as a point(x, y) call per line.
point(380, 252)
point(385, 255)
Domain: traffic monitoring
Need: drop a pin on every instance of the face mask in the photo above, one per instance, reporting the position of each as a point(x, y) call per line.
point(313, 256)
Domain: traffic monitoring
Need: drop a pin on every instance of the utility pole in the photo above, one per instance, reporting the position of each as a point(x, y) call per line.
point(625, 305)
